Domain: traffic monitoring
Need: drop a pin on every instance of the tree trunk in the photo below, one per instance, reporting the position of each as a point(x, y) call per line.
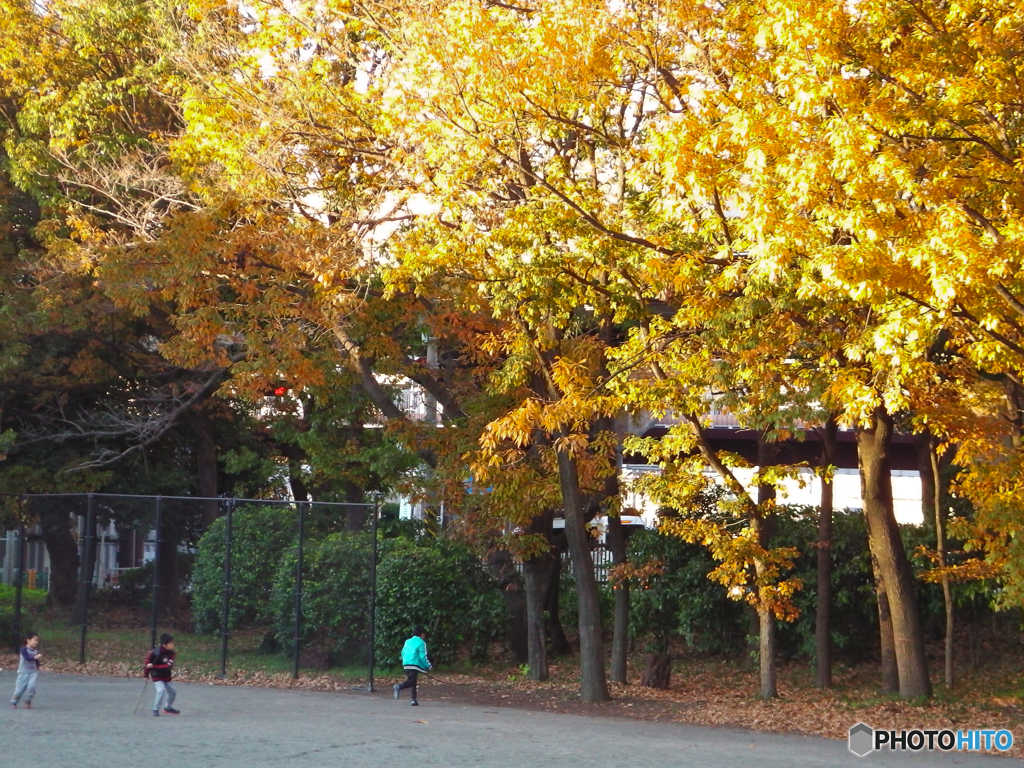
point(923, 451)
point(947, 597)
point(503, 568)
point(1014, 410)
point(536, 577)
point(64, 560)
point(355, 515)
point(169, 595)
point(766, 649)
point(658, 673)
point(206, 463)
point(890, 670)
point(751, 640)
point(620, 635)
point(616, 537)
point(300, 491)
point(763, 526)
point(890, 675)
point(593, 683)
point(88, 552)
point(887, 648)
point(295, 456)
point(766, 632)
point(558, 642)
point(940, 546)
point(887, 547)
point(823, 616)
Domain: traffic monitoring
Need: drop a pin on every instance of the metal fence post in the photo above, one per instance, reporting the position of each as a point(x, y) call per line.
point(156, 574)
point(90, 537)
point(298, 589)
point(373, 600)
point(18, 571)
point(225, 615)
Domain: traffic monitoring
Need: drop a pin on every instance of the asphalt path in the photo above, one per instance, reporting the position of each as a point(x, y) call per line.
point(87, 722)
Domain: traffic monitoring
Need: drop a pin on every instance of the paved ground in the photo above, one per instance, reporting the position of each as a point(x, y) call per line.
point(87, 722)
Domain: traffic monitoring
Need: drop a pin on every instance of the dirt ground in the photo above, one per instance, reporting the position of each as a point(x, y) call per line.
point(91, 721)
point(701, 694)
point(727, 697)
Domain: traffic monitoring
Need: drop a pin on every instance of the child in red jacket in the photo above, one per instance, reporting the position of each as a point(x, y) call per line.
point(159, 663)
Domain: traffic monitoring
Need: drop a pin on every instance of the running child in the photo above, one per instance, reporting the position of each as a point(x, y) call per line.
point(414, 661)
point(159, 663)
point(29, 661)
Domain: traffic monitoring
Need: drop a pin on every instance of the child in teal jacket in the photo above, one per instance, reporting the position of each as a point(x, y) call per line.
point(414, 661)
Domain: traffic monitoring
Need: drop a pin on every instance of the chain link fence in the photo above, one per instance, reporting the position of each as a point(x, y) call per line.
point(304, 571)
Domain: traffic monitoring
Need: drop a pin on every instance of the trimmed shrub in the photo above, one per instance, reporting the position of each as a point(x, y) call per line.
point(681, 601)
point(442, 585)
point(335, 597)
point(31, 599)
point(260, 536)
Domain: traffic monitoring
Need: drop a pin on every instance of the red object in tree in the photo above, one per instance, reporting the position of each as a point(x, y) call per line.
point(280, 391)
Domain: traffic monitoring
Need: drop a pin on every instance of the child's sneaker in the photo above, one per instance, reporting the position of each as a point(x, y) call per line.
point(415, 704)
point(28, 705)
point(171, 711)
point(397, 689)
point(13, 705)
point(156, 713)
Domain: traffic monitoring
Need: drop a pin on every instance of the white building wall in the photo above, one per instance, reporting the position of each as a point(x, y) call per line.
point(906, 490)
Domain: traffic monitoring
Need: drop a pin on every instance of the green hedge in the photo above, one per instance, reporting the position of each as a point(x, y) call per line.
point(335, 597)
point(442, 585)
point(260, 536)
point(30, 598)
point(436, 582)
point(681, 602)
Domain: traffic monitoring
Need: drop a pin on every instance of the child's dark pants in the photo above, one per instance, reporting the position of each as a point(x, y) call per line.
point(410, 682)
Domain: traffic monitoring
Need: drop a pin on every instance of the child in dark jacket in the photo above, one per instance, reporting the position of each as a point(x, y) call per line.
point(29, 659)
point(159, 664)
